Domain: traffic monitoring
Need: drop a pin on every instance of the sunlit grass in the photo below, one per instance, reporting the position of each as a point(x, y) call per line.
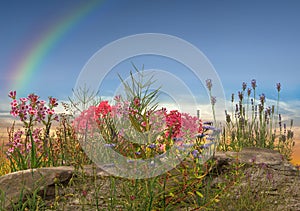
point(5, 166)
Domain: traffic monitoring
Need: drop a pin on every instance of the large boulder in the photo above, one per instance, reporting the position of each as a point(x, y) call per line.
point(258, 157)
point(29, 180)
point(266, 173)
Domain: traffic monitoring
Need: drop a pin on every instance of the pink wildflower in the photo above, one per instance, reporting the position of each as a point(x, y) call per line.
point(53, 102)
point(136, 102)
point(143, 124)
point(23, 100)
point(12, 95)
point(162, 147)
point(173, 123)
point(33, 98)
point(32, 111)
point(50, 111)
point(200, 128)
point(14, 103)
point(103, 109)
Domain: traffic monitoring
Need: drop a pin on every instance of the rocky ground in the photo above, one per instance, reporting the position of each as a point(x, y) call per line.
point(264, 181)
point(269, 181)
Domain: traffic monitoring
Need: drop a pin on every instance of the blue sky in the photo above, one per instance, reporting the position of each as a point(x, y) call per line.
point(243, 40)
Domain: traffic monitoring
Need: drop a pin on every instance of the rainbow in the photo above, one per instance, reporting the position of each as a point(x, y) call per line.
point(32, 57)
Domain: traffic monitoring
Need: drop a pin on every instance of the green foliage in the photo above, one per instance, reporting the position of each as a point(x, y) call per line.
point(82, 98)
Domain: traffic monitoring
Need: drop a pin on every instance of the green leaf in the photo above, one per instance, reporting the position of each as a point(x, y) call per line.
point(199, 194)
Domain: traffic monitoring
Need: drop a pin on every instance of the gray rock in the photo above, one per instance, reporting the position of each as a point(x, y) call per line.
point(266, 171)
point(42, 179)
point(29, 180)
point(257, 156)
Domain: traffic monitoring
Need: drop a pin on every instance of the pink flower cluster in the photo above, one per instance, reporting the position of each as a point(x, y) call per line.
point(18, 142)
point(157, 120)
point(191, 125)
point(102, 111)
point(86, 120)
point(32, 108)
point(173, 124)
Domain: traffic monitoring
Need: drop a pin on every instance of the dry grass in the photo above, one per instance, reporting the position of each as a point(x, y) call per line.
point(296, 151)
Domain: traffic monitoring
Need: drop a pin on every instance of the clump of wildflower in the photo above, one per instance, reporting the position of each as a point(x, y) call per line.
point(27, 152)
point(173, 123)
point(103, 109)
point(16, 143)
point(86, 120)
point(31, 109)
point(164, 128)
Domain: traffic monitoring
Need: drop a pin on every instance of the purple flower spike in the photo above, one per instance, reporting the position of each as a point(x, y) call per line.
point(109, 145)
point(213, 100)
point(262, 98)
point(209, 138)
point(241, 95)
point(244, 86)
point(208, 127)
point(249, 92)
point(152, 146)
point(278, 85)
point(253, 83)
point(208, 84)
point(195, 153)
